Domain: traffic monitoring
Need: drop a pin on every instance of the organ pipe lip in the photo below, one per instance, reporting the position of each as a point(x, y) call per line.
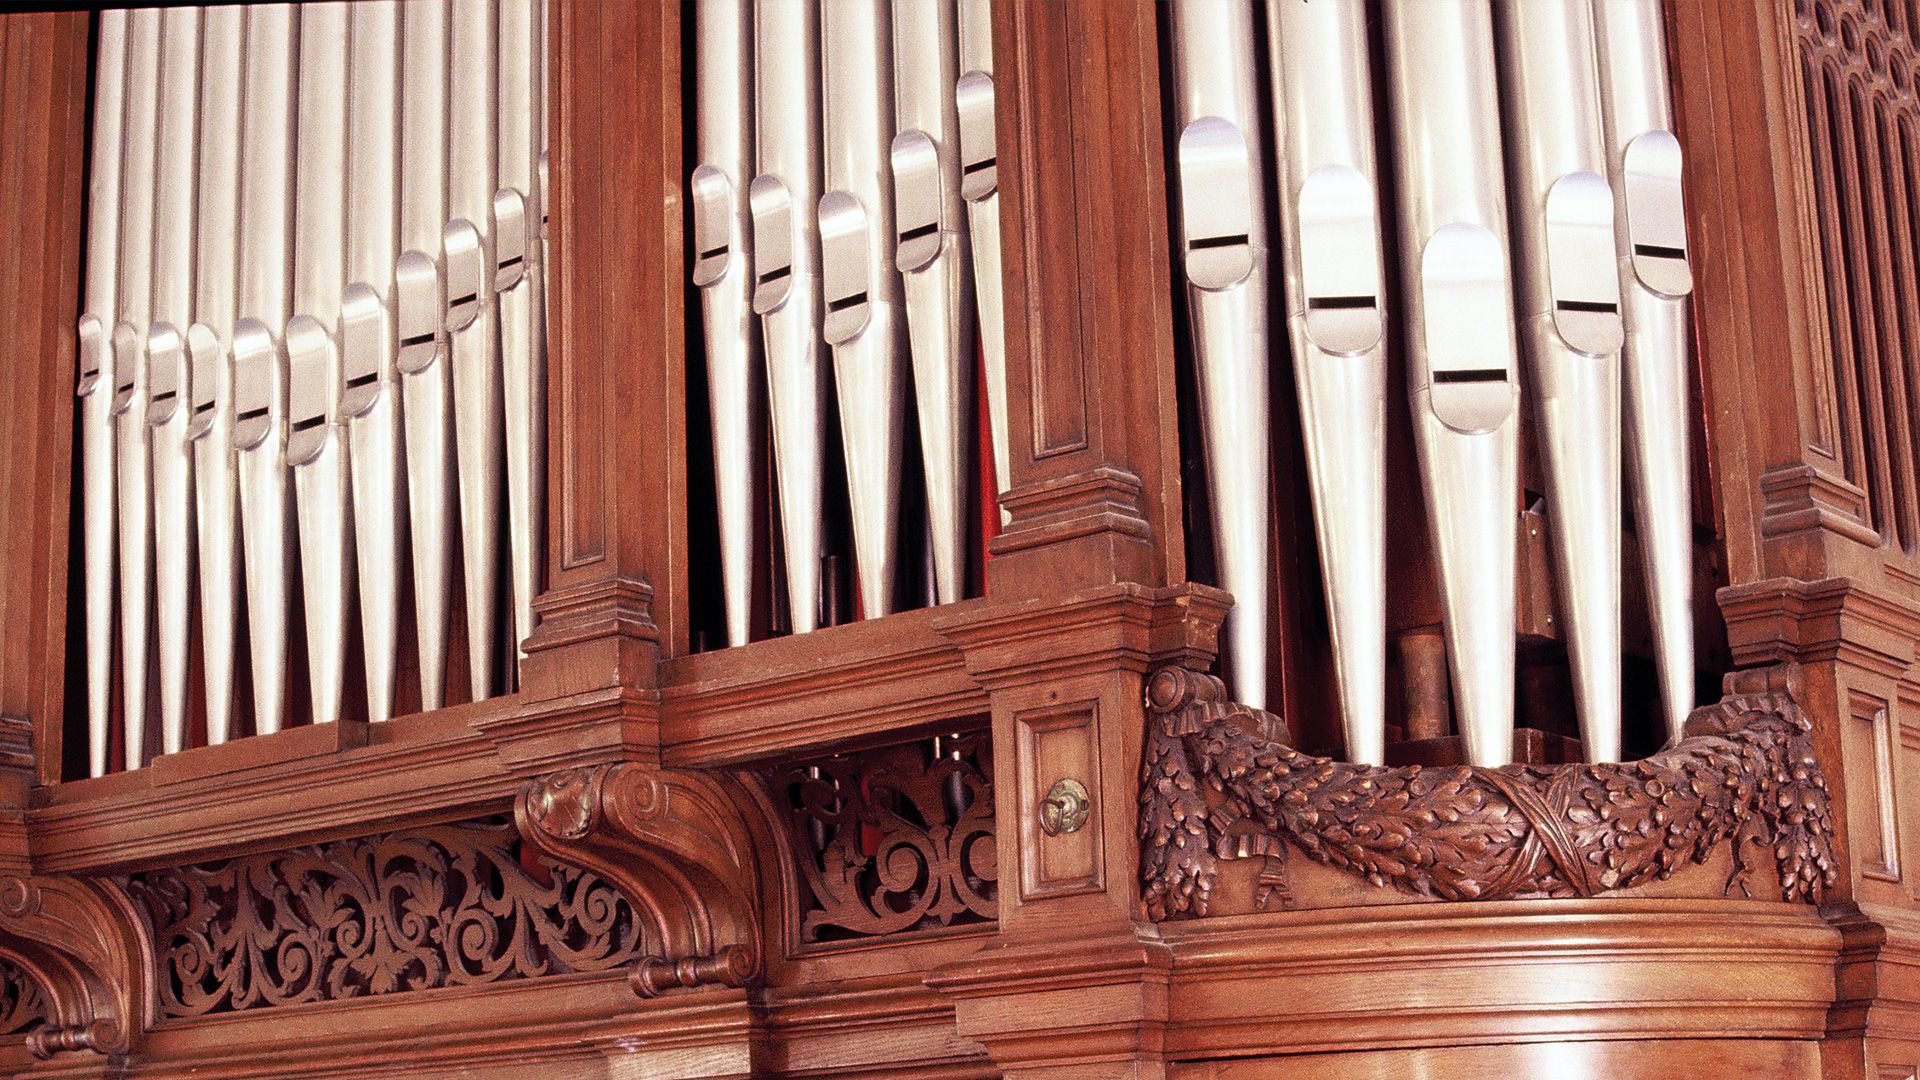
point(166, 373)
point(713, 224)
point(418, 311)
point(843, 266)
point(96, 355)
point(259, 384)
point(917, 201)
point(1656, 214)
point(366, 340)
point(979, 138)
point(773, 255)
point(1340, 261)
point(466, 273)
point(313, 395)
point(1469, 382)
point(127, 346)
point(512, 242)
point(1583, 278)
point(207, 358)
point(1216, 203)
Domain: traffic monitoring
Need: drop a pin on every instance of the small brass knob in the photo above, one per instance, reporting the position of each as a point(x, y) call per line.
point(1065, 808)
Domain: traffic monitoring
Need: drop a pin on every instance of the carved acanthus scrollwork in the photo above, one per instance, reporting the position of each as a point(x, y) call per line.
point(78, 939)
point(894, 840)
point(450, 905)
point(1219, 782)
point(23, 1003)
point(672, 840)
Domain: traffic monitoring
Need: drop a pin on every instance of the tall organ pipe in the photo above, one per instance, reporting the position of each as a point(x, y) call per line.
point(96, 383)
point(472, 323)
point(517, 284)
point(1569, 324)
point(722, 241)
point(980, 187)
point(1333, 273)
point(1463, 375)
point(210, 428)
point(134, 476)
point(259, 359)
point(369, 398)
point(1650, 232)
point(168, 387)
point(1224, 247)
point(932, 254)
point(863, 317)
point(784, 199)
point(426, 386)
point(316, 434)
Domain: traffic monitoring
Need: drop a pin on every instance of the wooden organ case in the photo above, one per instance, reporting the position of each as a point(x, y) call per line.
point(617, 818)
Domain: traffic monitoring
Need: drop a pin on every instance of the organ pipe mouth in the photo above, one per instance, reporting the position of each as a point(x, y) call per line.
point(212, 378)
point(166, 373)
point(1216, 203)
point(1468, 297)
point(1656, 214)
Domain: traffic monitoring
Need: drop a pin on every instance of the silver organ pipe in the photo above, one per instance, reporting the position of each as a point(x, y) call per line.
point(520, 291)
point(210, 427)
point(1463, 373)
point(980, 187)
point(1333, 274)
point(259, 356)
point(864, 321)
point(1643, 160)
point(722, 264)
point(932, 255)
point(96, 383)
point(316, 436)
point(1220, 174)
point(134, 478)
point(369, 396)
point(1569, 325)
point(784, 201)
point(426, 387)
point(168, 389)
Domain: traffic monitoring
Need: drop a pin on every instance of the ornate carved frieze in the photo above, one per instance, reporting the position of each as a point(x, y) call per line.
point(894, 840)
point(451, 905)
point(1220, 782)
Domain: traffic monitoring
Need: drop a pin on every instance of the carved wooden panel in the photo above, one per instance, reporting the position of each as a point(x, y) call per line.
point(1858, 63)
point(451, 905)
point(1874, 832)
point(23, 1003)
point(894, 840)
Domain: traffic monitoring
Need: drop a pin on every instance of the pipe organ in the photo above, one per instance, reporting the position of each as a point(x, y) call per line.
point(314, 286)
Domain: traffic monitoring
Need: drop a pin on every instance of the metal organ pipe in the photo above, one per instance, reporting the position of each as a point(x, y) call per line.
point(210, 427)
point(863, 318)
point(1463, 375)
point(259, 360)
point(425, 382)
point(784, 200)
point(517, 272)
point(722, 240)
point(980, 187)
point(1649, 223)
point(168, 389)
point(1569, 324)
point(369, 401)
point(96, 383)
point(316, 434)
point(134, 478)
point(932, 254)
point(1220, 175)
point(1333, 273)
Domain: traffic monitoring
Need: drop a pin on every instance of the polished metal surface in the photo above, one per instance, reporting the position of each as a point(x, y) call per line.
point(980, 187)
point(1220, 171)
point(1643, 160)
point(369, 393)
point(259, 361)
point(316, 435)
point(517, 281)
point(210, 428)
point(96, 382)
point(472, 324)
point(865, 322)
point(425, 380)
point(1463, 370)
point(134, 516)
point(1334, 279)
point(169, 389)
point(1570, 330)
point(932, 253)
point(784, 202)
point(736, 392)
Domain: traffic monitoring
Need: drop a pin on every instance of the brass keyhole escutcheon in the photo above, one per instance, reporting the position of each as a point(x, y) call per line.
point(1065, 808)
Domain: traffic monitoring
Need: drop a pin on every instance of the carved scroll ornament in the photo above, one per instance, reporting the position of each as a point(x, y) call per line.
point(1221, 783)
point(450, 905)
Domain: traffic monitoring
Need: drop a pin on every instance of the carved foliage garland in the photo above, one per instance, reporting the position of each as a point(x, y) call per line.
point(894, 840)
point(446, 906)
point(23, 1005)
point(1220, 783)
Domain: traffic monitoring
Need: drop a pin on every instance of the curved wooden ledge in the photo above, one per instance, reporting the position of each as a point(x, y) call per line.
point(1220, 783)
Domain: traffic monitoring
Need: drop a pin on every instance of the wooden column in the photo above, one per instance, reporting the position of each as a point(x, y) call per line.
point(616, 518)
point(44, 72)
